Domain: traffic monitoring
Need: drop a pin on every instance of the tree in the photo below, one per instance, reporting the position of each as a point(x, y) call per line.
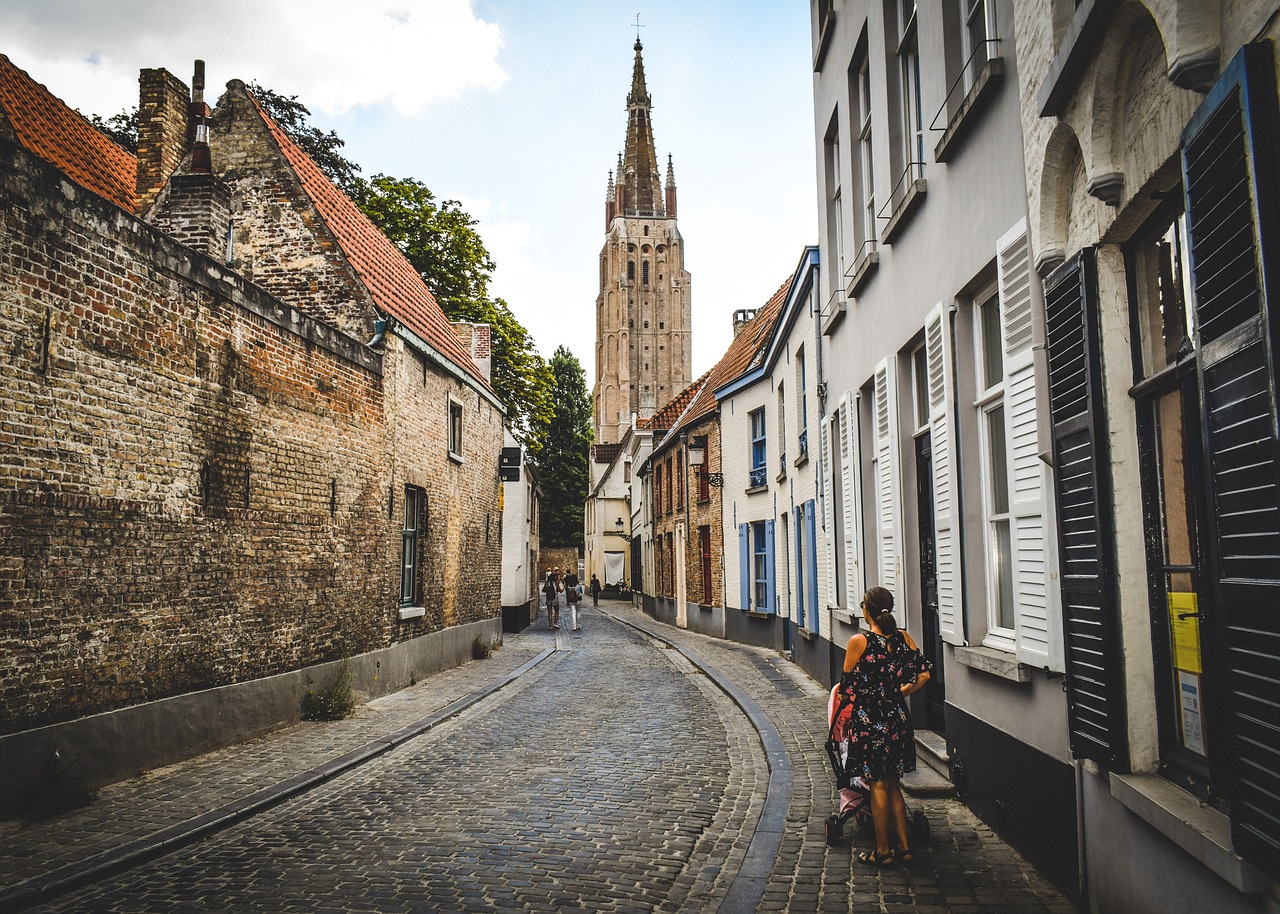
point(323, 147)
point(563, 454)
point(122, 127)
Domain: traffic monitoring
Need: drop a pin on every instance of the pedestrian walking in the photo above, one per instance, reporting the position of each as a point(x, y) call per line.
point(595, 591)
point(572, 594)
point(552, 591)
point(881, 668)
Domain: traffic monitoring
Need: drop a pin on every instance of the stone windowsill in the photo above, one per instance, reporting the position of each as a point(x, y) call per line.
point(997, 663)
point(782, 474)
point(805, 633)
point(983, 90)
point(412, 612)
point(754, 490)
point(456, 458)
point(911, 201)
point(802, 459)
point(862, 271)
point(845, 617)
point(1200, 830)
point(756, 614)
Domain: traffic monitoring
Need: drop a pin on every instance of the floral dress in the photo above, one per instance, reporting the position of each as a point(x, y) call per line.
point(882, 743)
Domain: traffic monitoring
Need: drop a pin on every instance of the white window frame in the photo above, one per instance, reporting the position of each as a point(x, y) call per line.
point(869, 234)
point(989, 399)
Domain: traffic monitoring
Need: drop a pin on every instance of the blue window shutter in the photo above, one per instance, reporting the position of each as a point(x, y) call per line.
point(770, 579)
point(744, 564)
point(798, 518)
point(811, 563)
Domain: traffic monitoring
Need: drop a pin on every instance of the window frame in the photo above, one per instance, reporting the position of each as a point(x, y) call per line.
point(759, 567)
point(455, 430)
point(410, 544)
point(997, 518)
point(759, 467)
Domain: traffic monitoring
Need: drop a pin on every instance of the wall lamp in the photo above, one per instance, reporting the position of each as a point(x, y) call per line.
point(698, 456)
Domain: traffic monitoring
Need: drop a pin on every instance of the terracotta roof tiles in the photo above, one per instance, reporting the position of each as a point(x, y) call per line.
point(46, 127)
point(395, 286)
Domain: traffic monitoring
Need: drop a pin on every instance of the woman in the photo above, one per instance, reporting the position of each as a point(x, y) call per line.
point(882, 667)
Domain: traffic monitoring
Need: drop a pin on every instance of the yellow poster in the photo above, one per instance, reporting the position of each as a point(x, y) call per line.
point(1184, 628)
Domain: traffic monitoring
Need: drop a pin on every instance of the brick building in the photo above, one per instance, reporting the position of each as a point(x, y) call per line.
point(211, 485)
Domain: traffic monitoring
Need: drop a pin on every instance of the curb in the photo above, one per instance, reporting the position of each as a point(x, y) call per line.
point(748, 886)
point(40, 889)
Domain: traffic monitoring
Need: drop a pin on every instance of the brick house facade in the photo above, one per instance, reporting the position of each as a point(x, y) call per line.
point(205, 469)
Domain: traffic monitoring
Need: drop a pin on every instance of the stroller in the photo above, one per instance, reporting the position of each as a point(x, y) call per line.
point(854, 794)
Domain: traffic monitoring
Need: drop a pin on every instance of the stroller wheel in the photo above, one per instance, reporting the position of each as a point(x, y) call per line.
point(834, 830)
point(920, 825)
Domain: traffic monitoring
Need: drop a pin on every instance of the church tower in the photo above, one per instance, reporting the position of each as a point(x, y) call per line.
point(643, 344)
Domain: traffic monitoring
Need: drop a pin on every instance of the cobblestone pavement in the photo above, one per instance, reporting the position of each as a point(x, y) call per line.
point(613, 776)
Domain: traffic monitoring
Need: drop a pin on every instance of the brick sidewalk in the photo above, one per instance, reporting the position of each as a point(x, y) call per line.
point(964, 868)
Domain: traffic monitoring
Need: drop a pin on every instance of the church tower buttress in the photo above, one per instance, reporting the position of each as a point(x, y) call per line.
point(643, 343)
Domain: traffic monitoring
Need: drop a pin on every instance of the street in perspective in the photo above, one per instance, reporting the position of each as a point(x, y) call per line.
point(618, 772)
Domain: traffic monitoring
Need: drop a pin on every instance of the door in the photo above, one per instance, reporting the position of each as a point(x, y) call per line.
point(935, 691)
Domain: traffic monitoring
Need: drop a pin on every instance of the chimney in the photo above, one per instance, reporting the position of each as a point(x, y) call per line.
point(194, 206)
point(741, 318)
point(163, 103)
point(477, 338)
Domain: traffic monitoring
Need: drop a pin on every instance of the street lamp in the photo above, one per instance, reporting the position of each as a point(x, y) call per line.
point(698, 456)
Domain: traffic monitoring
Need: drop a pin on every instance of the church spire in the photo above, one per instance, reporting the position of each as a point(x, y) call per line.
point(640, 168)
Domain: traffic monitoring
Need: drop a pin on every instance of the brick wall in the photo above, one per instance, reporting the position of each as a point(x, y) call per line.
point(197, 480)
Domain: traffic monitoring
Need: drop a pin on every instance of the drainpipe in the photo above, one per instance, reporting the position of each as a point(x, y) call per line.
point(1082, 864)
point(380, 327)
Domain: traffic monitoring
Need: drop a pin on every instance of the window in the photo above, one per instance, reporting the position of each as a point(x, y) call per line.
point(704, 478)
point(704, 541)
point(835, 206)
point(1168, 408)
point(909, 86)
point(681, 481)
point(759, 568)
point(782, 429)
point(644, 273)
point(455, 429)
point(631, 270)
point(1001, 607)
point(802, 382)
point(979, 27)
point(867, 237)
point(920, 387)
point(759, 451)
point(413, 501)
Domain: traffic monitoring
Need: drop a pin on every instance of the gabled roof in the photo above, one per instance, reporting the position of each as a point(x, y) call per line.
point(46, 127)
point(667, 417)
point(393, 284)
point(746, 349)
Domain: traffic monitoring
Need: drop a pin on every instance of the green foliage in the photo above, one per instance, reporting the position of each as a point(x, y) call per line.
point(323, 147)
point(562, 452)
point(122, 128)
point(335, 699)
point(480, 649)
point(441, 241)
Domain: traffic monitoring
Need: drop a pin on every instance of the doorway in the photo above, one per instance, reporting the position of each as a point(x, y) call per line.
point(935, 690)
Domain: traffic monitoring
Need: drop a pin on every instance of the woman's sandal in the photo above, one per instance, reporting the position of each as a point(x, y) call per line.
point(880, 861)
point(906, 857)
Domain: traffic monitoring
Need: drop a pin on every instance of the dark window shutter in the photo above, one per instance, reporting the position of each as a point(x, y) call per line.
point(1229, 165)
point(1095, 701)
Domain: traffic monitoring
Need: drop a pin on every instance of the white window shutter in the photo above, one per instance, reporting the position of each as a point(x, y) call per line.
point(850, 480)
point(828, 510)
point(938, 359)
point(888, 502)
point(1039, 636)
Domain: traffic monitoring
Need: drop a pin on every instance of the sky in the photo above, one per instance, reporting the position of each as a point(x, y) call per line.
point(516, 108)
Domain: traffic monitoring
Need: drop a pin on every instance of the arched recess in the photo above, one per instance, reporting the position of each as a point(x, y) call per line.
point(1061, 157)
point(1192, 33)
point(1132, 31)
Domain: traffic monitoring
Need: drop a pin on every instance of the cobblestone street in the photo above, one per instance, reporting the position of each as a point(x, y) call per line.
point(614, 773)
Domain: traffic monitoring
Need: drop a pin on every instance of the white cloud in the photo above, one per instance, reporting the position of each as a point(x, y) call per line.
point(334, 54)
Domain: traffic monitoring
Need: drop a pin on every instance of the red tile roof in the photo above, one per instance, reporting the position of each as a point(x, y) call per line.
point(395, 286)
point(46, 127)
point(745, 350)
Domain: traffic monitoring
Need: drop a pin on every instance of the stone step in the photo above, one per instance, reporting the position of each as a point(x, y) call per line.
point(931, 751)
